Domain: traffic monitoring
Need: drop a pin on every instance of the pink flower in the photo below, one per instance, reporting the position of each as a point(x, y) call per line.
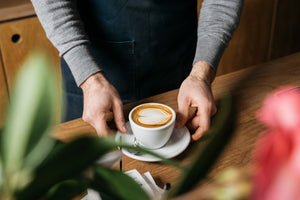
point(277, 151)
point(281, 109)
point(276, 158)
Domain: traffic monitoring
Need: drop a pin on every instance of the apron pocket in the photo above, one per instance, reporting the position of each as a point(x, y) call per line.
point(124, 47)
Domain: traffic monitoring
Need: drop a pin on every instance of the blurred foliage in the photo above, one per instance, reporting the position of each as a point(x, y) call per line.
point(206, 153)
point(33, 164)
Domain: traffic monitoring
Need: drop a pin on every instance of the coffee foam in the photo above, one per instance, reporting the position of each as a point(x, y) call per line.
point(152, 115)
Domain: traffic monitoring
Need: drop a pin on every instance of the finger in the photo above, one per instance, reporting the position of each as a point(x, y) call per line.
point(214, 110)
point(204, 123)
point(119, 116)
point(101, 126)
point(182, 113)
point(192, 113)
point(193, 123)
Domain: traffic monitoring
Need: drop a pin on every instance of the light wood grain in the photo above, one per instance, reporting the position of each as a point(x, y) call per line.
point(261, 80)
point(13, 53)
point(14, 9)
point(3, 94)
point(32, 38)
point(250, 86)
point(10, 3)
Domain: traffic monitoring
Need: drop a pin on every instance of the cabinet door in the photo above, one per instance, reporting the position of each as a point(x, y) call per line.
point(20, 38)
point(3, 94)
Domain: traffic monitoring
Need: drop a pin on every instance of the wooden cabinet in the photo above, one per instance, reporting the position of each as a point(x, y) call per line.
point(20, 34)
point(3, 94)
point(18, 39)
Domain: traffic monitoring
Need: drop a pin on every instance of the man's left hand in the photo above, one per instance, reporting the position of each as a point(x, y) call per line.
point(195, 91)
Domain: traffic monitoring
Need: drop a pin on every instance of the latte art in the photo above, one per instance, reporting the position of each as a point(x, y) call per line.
point(149, 115)
point(152, 116)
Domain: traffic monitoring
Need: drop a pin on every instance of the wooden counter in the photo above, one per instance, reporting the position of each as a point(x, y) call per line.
point(251, 85)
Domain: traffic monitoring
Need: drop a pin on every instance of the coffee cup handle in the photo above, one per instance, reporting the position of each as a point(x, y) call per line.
point(136, 142)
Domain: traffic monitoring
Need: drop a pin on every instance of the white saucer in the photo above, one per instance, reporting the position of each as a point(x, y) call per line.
point(178, 142)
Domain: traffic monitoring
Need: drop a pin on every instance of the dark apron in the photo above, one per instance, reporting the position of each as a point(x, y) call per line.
point(145, 47)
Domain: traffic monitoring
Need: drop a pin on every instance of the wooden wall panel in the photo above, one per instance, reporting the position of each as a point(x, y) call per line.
point(3, 94)
point(250, 42)
point(199, 2)
point(10, 3)
point(286, 35)
point(20, 38)
point(13, 9)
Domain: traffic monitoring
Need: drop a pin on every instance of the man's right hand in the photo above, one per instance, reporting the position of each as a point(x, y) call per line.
point(101, 97)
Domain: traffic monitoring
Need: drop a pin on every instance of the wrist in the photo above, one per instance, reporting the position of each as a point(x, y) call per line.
point(202, 71)
point(91, 80)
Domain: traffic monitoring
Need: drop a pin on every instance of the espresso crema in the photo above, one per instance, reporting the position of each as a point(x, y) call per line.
point(152, 115)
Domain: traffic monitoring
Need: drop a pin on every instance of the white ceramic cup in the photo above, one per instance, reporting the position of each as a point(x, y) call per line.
point(152, 137)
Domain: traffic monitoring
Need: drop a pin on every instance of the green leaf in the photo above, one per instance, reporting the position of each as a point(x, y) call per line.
point(66, 161)
point(66, 190)
point(1, 175)
point(207, 154)
point(31, 114)
point(116, 185)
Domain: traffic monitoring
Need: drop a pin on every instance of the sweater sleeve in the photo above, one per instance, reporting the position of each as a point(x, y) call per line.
point(64, 29)
point(217, 21)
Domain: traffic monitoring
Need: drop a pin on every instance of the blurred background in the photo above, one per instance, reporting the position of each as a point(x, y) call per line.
point(268, 29)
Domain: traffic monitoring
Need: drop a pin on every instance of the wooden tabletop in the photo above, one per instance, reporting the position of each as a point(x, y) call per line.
point(251, 85)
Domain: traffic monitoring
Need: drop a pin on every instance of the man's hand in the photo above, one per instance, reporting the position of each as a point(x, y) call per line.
point(99, 98)
point(195, 91)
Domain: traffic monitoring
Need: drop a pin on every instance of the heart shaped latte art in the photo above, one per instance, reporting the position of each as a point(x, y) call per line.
point(151, 116)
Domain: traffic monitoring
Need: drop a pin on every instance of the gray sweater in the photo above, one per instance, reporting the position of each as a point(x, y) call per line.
point(217, 21)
